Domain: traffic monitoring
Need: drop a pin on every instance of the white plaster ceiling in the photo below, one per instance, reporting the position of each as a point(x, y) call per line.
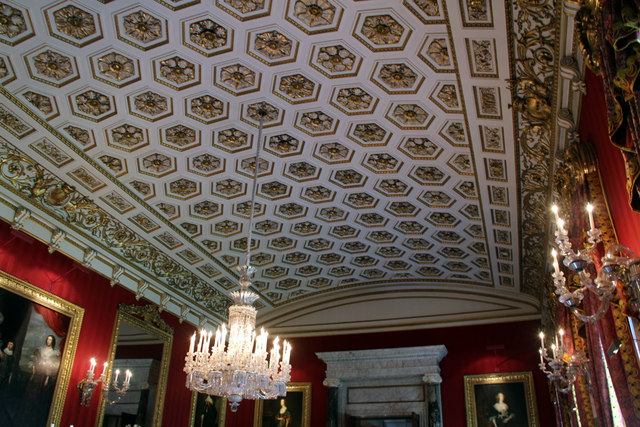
point(389, 183)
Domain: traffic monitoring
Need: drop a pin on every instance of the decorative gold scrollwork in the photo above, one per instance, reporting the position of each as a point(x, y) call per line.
point(579, 160)
point(587, 25)
point(148, 313)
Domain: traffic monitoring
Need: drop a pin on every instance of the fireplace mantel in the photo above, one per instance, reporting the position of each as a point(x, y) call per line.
point(384, 382)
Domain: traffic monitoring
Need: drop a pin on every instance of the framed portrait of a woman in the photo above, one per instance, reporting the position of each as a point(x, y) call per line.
point(293, 410)
point(504, 399)
point(38, 339)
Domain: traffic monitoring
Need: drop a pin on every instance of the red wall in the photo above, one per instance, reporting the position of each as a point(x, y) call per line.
point(593, 128)
point(29, 260)
point(484, 349)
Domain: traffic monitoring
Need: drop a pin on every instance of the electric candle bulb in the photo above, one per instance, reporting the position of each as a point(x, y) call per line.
point(590, 212)
point(92, 365)
point(192, 344)
point(560, 223)
point(104, 369)
point(117, 374)
point(556, 266)
point(555, 211)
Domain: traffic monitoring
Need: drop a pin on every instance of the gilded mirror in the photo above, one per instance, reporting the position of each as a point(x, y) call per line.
point(141, 343)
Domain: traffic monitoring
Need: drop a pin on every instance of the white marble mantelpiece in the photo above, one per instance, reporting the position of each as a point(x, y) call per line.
point(385, 382)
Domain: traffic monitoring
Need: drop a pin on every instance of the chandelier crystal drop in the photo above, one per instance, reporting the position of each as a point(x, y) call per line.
point(237, 365)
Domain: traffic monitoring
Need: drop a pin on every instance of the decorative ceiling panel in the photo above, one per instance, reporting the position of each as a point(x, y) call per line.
point(387, 157)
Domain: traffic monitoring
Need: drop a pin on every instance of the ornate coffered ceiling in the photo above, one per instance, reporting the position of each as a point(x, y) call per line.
point(391, 188)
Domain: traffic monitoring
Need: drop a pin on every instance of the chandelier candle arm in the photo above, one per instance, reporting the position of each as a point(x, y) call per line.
point(561, 368)
point(620, 267)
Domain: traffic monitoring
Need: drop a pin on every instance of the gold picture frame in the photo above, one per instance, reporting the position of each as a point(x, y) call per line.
point(500, 397)
point(297, 403)
point(199, 412)
point(18, 296)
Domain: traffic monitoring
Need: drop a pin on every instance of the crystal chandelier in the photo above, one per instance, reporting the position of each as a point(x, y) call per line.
point(237, 368)
point(620, 269)
point(560, 367)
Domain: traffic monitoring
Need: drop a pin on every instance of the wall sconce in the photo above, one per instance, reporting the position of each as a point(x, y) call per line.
point(563, 368)
point(88, 384)
point(120, 391)
point(620, 266)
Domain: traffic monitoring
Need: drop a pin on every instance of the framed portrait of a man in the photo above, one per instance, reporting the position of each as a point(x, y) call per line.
point(293, 410)
point(207, 411)
point(504, 399)
point(38, 339)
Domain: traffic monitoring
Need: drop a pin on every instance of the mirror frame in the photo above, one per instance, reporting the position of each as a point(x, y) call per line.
point(146, 318)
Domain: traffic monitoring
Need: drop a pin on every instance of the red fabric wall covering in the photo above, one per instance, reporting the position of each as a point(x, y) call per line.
point(470, 351)
point(593, 128)
point(64, 277)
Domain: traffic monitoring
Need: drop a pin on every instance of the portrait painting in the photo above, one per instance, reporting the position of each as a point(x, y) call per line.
point(293, 410)
point(207, 411)
point(505, 399)
point(38, 338)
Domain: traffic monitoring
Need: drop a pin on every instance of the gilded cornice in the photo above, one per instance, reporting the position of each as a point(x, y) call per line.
point(534, 55)
point(40, 187)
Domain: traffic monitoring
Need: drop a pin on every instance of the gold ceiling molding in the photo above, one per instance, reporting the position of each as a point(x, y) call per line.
point(38, 186)
point(534, 50)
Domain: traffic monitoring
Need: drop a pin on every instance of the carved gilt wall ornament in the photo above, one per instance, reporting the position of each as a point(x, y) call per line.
point(534, 30)
point(42, 188)
point(579, 160)
point(149, 313)
point(587, 27)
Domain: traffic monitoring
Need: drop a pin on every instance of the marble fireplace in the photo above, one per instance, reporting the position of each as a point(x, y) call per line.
point(384, 383)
